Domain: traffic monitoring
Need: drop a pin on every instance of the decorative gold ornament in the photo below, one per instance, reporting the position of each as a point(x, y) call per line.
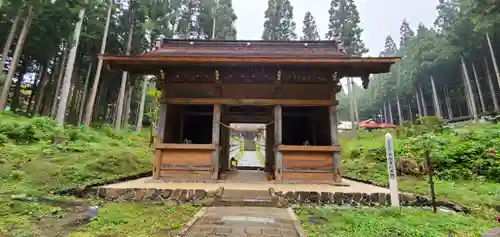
point(216, 75)
point(278, 76)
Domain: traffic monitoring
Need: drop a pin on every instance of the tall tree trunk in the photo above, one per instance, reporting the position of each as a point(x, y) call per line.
point(448, 102)
point(389, 108)
point(41, 88)
point(17, 90)
point(128, 101)
point(424, 105)
point(492, 87)
point(435, 99)
point(123, 85)
point(479, 91)
point(400, 114)
point(60, 75)
point(33, 93)
point(385, 113)
point(469, 89)
point(89, 108)
point(419, 106)
point(15, 58)
point(35, 88)
point(352, 114)
point(10, 38)
point(493, 58)
point(140, 114)
point(411, 114)
point(66, 83)
point(84, 94)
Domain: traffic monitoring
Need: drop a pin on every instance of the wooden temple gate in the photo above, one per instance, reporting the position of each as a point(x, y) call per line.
point(208, 84)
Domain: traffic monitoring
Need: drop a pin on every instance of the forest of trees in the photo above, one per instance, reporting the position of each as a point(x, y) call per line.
point(51, 68)
point(432, 58)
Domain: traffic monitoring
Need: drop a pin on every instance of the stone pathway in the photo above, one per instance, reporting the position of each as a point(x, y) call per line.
point(250, 159)
point(244, 222)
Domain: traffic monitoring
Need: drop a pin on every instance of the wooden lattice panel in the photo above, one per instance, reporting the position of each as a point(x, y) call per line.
point(191, 75)
point(247, 75)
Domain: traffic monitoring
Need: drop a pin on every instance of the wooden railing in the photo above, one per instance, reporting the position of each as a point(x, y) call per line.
point(262, 146)
point(234, 149)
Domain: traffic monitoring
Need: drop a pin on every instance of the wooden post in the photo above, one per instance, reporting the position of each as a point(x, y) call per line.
point(492, 87)
point(419, 106)
point(424, 105)
point(277, 141)
point(332, 113)
point(435, 99)
point(478, 86)
point(469, 89)
point(160, 138)
point(216, 142)
point(400, 114)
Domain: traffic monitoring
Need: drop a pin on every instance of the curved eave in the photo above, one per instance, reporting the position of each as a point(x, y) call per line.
point(354, 66)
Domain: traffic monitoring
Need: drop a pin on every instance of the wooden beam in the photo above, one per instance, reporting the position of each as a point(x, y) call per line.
point(334, 136)
point(216, 142)
point(309, 148)
point(223, 101)
point(277, 142)
point(176, 146)
point(160, 133)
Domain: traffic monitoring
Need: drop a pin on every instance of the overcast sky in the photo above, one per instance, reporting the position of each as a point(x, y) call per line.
point(378, 17)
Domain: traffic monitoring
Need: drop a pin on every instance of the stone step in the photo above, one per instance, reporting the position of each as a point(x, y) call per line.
point(246, 194)
point(244, 203)
point(255, 198)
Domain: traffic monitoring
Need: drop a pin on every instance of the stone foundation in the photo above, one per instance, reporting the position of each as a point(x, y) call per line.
point(356, 199)
point(277, 199)
point(159, 196)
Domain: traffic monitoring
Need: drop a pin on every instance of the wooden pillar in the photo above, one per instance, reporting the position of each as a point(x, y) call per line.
point(160, 138)
point(278, 141)
point(332, 114)
point(216, 142)
point(227, 140)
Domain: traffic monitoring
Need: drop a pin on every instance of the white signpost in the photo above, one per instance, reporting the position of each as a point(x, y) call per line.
point(391, 168)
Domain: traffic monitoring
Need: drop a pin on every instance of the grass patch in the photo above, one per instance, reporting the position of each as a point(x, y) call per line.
point(137, 220)
point(38, 158)
point(26, 219)
point(30, 163)
point(364, 158)
point(389, 222)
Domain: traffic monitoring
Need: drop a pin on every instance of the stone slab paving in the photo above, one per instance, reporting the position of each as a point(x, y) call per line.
point(244, 222)
point(250, 159)
point(159, 184)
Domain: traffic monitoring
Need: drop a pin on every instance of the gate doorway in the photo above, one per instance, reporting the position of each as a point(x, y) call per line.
point(250, 155)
